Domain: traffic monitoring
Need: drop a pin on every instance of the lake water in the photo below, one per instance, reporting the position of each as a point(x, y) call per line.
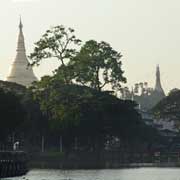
point(124, 174)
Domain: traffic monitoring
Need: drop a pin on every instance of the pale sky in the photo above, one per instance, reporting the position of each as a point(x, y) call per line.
point(146, 32)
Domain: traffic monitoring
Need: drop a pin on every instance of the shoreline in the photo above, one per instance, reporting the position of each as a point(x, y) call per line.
point(107, 160)
point(45, 165)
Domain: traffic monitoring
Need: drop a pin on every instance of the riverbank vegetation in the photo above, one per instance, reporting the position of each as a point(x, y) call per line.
point(169, 106)
point(78, 108)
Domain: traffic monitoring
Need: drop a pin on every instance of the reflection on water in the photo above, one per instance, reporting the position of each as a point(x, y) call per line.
point(124, 174)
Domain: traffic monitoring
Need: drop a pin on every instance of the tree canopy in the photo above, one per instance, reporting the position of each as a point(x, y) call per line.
point(90, 115)
point(57, 43)
point(98, 65)
point(95, 65)
point(74, 102)
point(169, 106)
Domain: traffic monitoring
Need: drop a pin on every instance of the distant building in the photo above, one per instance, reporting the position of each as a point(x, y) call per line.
point(21, 73)
point(158, 88)
point(166, 126)
point(145, 96)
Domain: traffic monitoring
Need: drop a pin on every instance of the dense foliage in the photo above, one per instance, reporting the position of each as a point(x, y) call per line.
point(95, 65)
point(57, 43)
point(169, 106)
point(72, 107)
point(98, 65)
point(92, 117)
point(75, 113)
point(12, 113)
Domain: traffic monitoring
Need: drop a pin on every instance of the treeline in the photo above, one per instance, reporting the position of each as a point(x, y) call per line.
point(169, 107)
point(80, 117)
point(77, 108)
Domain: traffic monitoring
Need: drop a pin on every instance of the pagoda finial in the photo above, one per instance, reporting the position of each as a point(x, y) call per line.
point(21, 45)
point(20, 24)
point(158, 86)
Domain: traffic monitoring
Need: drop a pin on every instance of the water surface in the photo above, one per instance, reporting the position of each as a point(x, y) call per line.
point(123, 174)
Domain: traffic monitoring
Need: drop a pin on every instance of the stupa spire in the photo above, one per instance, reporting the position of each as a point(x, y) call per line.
point(20, 24)
point(21, 44)
point(158, 87)
point(21, 73)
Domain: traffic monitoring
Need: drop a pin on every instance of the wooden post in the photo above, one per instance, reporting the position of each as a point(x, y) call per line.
point(42, 144)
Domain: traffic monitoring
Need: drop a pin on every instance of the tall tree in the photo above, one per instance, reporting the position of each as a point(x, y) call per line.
point(98, 65)
point(59, 43)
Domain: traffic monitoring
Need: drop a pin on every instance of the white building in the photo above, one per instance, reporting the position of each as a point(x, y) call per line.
point(21, 73)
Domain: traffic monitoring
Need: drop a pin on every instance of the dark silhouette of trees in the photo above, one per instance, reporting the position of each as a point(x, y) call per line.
point(74, 102)
point(12, 113)
point(79, 113)
point(169, 106)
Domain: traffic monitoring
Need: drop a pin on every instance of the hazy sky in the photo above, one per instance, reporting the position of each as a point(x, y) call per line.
point(146, 32)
